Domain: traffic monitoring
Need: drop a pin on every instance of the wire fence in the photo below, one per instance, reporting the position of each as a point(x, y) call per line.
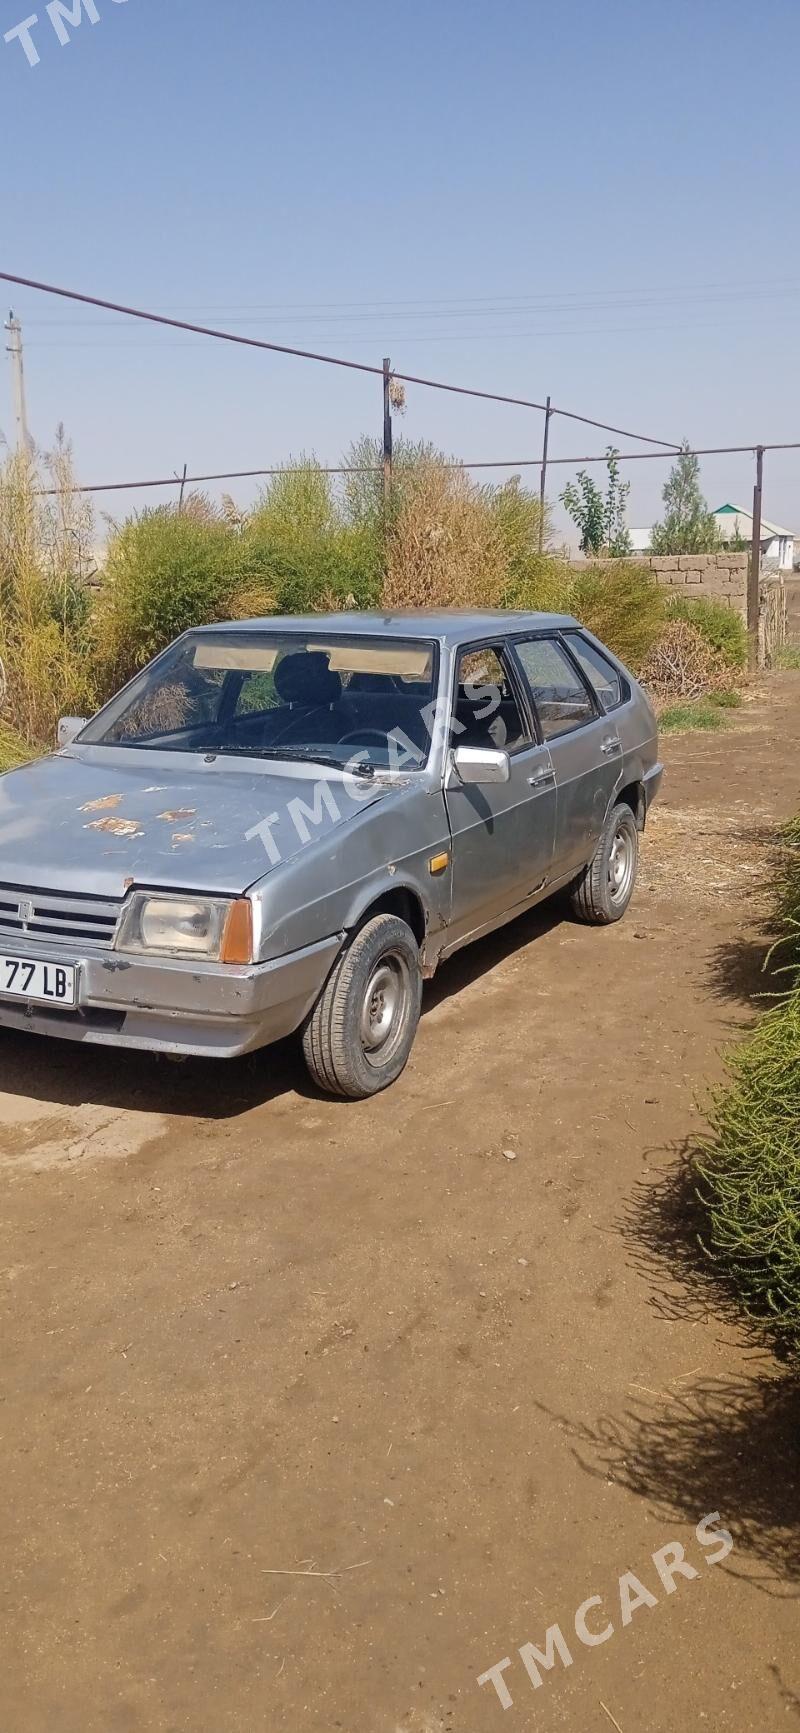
point(390, 379)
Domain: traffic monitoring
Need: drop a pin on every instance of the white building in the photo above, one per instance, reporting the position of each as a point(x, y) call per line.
point(777, 545)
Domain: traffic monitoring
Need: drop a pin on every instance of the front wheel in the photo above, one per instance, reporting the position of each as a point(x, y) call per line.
point(605, 887)
point(360, 1033)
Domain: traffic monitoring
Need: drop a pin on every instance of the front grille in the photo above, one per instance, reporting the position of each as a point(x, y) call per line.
point(54, 918)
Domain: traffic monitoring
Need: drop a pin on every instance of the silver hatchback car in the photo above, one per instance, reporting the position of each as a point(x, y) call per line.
point(285, 825)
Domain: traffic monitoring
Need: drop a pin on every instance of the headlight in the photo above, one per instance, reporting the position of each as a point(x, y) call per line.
point(215, 928)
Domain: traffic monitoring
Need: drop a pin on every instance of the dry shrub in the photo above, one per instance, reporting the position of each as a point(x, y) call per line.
point(682, 664)
point(444, 549)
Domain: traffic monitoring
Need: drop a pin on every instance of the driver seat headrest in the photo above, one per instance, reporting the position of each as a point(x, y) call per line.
point(305, 678)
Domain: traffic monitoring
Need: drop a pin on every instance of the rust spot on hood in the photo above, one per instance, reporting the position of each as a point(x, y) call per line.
point(181, 836)
point(127, 827)
point(107, 804)
point(180, 813)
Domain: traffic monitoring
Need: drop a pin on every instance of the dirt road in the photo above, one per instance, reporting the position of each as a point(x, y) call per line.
point(312, 1413)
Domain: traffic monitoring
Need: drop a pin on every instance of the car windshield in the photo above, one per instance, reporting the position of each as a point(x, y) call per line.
point(277, 695)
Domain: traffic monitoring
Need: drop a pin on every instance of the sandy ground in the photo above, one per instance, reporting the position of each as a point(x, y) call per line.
point(311, 1413)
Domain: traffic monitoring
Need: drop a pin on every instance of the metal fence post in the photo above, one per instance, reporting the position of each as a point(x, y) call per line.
point(754, 569)
point(543, 484)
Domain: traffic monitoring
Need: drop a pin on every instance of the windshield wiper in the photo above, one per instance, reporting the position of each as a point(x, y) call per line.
point(293, 755)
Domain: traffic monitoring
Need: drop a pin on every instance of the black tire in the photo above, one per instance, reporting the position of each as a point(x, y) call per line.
point(595, 897)
point(361, 1031)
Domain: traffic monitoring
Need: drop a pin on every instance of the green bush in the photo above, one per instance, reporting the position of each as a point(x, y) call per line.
point(723, 628)
point(301, 545)
point(623, 604)
point(748, 1170)
point(165, 571)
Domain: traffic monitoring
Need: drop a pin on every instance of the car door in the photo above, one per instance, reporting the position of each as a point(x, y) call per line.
point(503, 834)
point(584, 745)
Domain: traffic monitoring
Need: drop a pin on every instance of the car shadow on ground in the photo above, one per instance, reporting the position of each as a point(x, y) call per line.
point(74, 1074)
point(479, 958)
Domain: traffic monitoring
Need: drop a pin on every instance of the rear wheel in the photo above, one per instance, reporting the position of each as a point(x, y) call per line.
point(358, 1037)
point(602, 893)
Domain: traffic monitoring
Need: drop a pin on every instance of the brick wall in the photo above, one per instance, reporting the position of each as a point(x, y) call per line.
point(721, 577)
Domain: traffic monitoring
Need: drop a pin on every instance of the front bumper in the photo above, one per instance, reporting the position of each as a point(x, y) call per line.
point(162, 1005)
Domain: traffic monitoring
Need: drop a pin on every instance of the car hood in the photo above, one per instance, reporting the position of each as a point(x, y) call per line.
point(96, 819)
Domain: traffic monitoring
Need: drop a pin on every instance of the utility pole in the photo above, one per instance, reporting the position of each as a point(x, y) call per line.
point(754, 572)
point(14, 347)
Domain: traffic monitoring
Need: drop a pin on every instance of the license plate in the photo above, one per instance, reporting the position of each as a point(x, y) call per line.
point(39, 983)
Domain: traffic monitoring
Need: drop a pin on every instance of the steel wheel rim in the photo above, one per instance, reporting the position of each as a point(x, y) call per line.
point(621, 864)
point(383, 1009)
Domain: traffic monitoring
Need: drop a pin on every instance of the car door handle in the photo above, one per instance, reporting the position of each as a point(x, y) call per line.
point(612, 745)
point(541, 778)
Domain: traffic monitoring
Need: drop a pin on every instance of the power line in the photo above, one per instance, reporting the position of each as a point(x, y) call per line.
point(362, 340)
point(465, 306)
point(310, 355)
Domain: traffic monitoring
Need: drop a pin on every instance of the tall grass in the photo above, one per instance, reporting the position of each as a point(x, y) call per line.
point(748, 1169)
point(45, 548)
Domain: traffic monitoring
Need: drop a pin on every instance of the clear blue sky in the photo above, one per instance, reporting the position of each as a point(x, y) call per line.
point(596, 201)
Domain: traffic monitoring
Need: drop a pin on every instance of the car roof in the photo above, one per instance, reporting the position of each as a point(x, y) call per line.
point(449, 628)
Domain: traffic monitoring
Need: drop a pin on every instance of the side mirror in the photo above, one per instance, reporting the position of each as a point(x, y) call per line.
point(69, 728)
point(481, 764)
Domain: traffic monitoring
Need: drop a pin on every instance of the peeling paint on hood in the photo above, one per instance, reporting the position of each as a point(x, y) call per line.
point(45, 842)
point(108, 801)
point(115, 826)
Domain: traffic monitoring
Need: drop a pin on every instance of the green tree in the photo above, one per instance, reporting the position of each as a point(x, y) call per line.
point(688, 527)
point(584, 502)
point(599, 517)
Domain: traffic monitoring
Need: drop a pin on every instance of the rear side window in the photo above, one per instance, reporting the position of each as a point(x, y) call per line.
point(600, 673)
point(559, 694)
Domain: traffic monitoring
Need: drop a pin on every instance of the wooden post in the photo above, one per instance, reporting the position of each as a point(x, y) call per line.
point(543, 482)
point(754, 570)
point(388, 437)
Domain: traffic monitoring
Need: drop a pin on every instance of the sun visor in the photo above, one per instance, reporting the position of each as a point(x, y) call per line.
point(407, 662)
point(249, 659)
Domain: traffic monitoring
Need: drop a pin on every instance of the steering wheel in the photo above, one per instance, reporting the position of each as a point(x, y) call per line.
point(357, 737)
